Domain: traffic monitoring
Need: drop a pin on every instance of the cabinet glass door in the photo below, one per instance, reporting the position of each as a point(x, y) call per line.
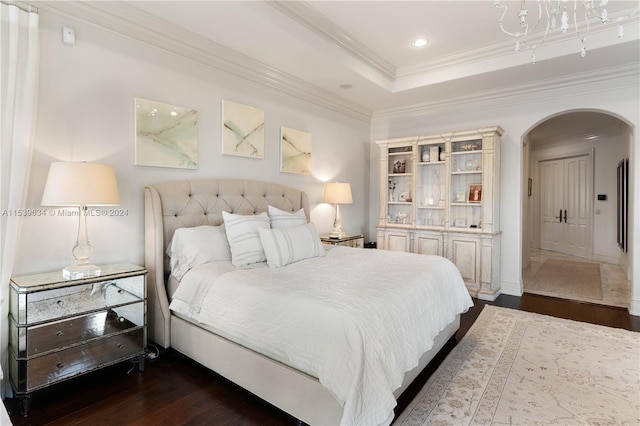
point(466, 184)
point(400, 174)
point(431, 182)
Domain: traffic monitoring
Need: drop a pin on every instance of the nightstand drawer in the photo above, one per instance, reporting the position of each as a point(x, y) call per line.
point(35, 340)
point(41, 306)
point(44, 370)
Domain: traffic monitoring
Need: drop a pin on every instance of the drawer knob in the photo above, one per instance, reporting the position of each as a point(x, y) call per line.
point(59, 366)
point(120, 346)
point(121, 291)
point(59, 333)
point(60, 303)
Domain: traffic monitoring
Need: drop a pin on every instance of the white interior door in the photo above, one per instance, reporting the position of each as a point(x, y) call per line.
point(577, 206)
point(565, 205)
point(551, 204)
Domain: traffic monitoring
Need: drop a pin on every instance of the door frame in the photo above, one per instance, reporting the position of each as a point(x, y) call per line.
point(538, 158)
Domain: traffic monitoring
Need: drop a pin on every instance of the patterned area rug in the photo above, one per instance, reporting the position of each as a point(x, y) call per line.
point(567, 277)
point(520, 368)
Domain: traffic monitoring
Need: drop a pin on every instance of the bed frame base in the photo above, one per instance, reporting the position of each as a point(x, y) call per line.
point(294, 392)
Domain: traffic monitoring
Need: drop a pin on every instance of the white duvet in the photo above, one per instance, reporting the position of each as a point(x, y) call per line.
point(356, 319)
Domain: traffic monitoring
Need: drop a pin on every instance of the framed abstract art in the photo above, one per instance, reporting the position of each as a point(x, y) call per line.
point(295, 151)
point(242, 130)
point(166, 135)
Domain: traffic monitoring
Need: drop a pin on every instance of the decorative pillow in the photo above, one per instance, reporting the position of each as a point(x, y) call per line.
point(281, 219)
point(287, 245)
point(243, 237)
point(190, 247)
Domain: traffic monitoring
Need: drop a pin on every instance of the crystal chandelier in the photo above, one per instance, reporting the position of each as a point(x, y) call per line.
point(559, 11)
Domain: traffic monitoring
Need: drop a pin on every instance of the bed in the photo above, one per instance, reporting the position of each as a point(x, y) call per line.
point(296, 383)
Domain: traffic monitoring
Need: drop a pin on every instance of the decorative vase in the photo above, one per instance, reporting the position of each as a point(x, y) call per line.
point(425, 156)
point(442, 156)
point(470, 165)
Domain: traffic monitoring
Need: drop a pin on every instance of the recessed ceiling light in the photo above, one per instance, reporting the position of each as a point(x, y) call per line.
point(420, 42)
point(346, 86)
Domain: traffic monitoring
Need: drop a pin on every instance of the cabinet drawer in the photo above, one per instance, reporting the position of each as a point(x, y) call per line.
point(32, 308)
point(35, 340)
point(45, 370)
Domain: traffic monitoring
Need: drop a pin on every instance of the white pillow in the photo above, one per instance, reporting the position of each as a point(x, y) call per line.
point(243, 237)
point(194, 246)
point(287, 245)
point(281, 219)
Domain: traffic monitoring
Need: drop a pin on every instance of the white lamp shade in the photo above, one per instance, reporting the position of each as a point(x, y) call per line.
point(337, 193)
point(80, 184)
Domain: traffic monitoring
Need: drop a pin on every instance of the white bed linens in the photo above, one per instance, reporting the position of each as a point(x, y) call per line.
point(356, 319)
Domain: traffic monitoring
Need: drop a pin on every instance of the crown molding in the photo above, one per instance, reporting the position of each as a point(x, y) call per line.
point(310, 18)
point(590, 82)
point(132, 23)
point(307, 16)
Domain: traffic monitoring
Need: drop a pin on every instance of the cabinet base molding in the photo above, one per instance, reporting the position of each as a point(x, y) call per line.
point(490, 297)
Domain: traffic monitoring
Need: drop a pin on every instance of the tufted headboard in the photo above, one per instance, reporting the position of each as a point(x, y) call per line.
point(188, 203)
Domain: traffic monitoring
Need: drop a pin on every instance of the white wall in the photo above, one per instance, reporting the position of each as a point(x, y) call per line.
point(86, 113)
point(608, 151)
point(517, 115)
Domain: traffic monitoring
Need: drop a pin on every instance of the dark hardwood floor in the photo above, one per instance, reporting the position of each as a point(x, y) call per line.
point(177, 391)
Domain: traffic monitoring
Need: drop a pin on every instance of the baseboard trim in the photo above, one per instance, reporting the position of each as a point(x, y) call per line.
point(605, 259)
point(634, 307)
point(512, 288)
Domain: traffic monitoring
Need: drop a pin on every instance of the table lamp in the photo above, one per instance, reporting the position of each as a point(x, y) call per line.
point(73, 184)
point(337, 193)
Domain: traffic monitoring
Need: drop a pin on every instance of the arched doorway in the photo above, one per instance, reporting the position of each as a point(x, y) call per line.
point(569, 239)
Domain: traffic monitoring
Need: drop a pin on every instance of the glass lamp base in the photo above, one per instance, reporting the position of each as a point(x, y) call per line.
point(338, 234)
point(75, 272)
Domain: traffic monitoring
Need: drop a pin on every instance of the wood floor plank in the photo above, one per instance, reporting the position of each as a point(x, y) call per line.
point(174, 390)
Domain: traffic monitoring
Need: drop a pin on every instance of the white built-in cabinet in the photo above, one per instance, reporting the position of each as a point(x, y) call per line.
point(440, 195)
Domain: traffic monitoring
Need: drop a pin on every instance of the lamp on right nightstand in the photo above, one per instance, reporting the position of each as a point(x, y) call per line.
point(337, 193)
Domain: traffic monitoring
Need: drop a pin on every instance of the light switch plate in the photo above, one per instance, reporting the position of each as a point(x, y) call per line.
point(68, 36)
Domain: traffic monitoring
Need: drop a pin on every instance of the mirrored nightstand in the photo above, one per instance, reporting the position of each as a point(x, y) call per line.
point(347, 241)
point(60, 328)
